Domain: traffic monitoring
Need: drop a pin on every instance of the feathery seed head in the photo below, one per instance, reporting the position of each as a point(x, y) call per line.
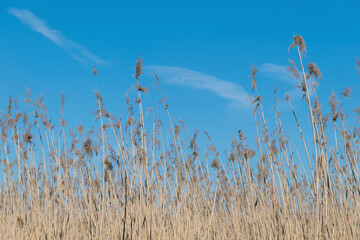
point(138, 67)
point(27, 137)
point(177, 130)
point(314, 71)
point(253, 77)
point(287, 98)
point(299, 42)
point(347, 92)
point(95, 71)
point(215, 164)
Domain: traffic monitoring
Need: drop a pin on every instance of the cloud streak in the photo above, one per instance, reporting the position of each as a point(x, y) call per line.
point(277, 72)
point(75, 50)
point(198, 80)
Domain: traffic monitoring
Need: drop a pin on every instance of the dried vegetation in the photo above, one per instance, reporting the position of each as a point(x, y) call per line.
point(143, 177)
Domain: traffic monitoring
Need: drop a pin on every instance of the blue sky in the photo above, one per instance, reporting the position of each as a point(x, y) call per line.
point(201, 50)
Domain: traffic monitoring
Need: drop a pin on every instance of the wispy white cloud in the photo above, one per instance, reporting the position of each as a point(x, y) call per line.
point(75, 50)
point(276, 72)
point(225, 89)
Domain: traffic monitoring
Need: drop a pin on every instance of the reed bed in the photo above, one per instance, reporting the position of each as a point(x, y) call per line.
point(143, 177)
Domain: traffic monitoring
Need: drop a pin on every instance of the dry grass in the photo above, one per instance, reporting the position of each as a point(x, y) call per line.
point(123, 181)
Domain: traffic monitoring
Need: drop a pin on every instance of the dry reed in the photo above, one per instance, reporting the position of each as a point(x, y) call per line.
point(137, 178)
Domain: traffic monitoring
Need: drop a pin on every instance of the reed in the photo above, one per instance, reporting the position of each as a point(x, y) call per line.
point(143, 177)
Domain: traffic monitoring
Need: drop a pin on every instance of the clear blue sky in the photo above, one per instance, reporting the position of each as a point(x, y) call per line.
point(202, 51)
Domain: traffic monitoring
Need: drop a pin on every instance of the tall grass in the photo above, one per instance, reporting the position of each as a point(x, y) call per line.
point(137, 177)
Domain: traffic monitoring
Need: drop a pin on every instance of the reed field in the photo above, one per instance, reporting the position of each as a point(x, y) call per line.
point(144, 177)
